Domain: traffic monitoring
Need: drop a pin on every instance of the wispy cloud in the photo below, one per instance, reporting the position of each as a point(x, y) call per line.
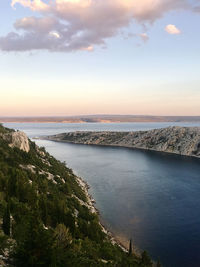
point(69, 25)
point(144, 37)
point(172, 29)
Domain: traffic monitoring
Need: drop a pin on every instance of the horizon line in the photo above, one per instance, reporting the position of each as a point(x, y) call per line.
point(94, 115)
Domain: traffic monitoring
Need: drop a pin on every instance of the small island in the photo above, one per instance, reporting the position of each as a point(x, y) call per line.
point(178, 140)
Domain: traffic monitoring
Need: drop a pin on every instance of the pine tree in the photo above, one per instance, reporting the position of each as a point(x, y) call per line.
point(44, 213)
point(6, 220)
point(130, 251)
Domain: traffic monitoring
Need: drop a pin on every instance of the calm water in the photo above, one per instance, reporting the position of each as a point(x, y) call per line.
point(152, 197)
point(37, 129)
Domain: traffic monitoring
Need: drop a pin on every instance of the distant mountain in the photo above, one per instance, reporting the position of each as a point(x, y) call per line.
point(47, 218)
point(178, 140)
point(103, 119)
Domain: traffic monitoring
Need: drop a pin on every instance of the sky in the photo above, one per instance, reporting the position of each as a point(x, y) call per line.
point(80, 57)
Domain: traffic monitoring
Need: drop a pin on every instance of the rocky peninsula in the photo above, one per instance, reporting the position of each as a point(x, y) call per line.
point(178, 140)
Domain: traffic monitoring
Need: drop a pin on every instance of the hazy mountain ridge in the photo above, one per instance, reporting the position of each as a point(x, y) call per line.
point(101, 119)
point(178, 140)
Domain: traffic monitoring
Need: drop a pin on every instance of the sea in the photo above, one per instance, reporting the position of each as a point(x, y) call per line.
point(151, 197)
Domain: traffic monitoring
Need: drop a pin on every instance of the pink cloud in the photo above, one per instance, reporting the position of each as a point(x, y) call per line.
point(144, 37)
point(35, 5)
point(80, 24)
point(172, 29)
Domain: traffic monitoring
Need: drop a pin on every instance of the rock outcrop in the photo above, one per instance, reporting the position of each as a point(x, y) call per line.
point(17, 139)
point(178, 140)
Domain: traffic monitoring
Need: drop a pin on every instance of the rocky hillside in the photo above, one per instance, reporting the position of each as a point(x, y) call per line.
point(17, 139)
point(178, 140)
point(46, 215)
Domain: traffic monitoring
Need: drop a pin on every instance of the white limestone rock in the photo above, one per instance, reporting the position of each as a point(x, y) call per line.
point(17, 139)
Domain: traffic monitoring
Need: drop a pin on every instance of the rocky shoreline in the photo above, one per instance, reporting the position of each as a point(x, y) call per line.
point(123, 243)
point(176, 140)
point(91, 206)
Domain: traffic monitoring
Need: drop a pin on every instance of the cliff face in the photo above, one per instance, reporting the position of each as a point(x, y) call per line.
point(178, 140)
point(17, 139)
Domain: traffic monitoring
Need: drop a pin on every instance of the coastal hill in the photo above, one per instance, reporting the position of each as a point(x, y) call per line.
point(101, 119)
point(47, 217)
point(178, 140)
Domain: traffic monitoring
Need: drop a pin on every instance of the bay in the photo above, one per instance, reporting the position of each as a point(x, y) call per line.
point(148, 196)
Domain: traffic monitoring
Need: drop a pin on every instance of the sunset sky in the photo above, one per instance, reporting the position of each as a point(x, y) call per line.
point(71, 57)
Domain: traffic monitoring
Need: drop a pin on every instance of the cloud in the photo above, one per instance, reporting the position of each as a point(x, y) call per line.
point(55, 34)
point(144, 37)
point(33, 24)
point(89, 48)
point(70, 25)
point(172, 29)
point(35, 5)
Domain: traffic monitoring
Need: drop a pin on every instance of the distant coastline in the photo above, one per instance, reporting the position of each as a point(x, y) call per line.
point(99, 119)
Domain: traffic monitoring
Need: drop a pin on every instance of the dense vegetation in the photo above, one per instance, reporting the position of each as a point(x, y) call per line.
point(43, 219)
